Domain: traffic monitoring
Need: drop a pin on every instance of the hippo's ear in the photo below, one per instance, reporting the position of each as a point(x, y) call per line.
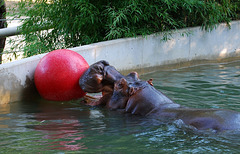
point(132, 91)
point(134, 75)
point(150, 81)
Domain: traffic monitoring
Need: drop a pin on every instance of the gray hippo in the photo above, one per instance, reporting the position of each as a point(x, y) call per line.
point(132, 95)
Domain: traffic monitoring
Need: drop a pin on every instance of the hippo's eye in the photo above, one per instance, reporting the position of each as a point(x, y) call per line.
point(118, 86)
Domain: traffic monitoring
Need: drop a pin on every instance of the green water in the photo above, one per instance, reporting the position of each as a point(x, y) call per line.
point(69, 127)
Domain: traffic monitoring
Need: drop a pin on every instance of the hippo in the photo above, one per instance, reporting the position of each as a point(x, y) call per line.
point(132, 95)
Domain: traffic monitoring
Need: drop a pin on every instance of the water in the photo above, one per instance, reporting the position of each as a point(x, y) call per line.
point(69, 127)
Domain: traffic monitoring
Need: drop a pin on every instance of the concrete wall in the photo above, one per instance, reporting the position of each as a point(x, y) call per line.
point(141, 54)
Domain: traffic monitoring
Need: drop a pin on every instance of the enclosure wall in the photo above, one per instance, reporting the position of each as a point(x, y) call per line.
point(139, 54)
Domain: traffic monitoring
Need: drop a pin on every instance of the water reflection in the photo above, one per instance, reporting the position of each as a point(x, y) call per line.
point(60, 138)
point(60, 126)
point(4, 109)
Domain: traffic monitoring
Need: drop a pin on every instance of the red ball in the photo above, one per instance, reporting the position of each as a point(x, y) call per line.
point(57, 75)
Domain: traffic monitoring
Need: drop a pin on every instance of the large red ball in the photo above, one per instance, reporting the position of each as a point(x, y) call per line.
point(57, 75)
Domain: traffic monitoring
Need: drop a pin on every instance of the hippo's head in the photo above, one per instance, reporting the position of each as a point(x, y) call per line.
point(99, 77)
point(133, 95)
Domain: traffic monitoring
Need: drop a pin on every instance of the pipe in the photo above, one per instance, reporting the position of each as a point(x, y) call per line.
point(9, 31)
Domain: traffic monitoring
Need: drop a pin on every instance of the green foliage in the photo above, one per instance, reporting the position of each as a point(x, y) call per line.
point(58, 24)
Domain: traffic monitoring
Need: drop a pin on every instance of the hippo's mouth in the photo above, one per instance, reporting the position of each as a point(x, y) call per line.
point(97, 99)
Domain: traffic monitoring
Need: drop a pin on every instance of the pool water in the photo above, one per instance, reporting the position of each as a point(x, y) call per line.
point(42, 126)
